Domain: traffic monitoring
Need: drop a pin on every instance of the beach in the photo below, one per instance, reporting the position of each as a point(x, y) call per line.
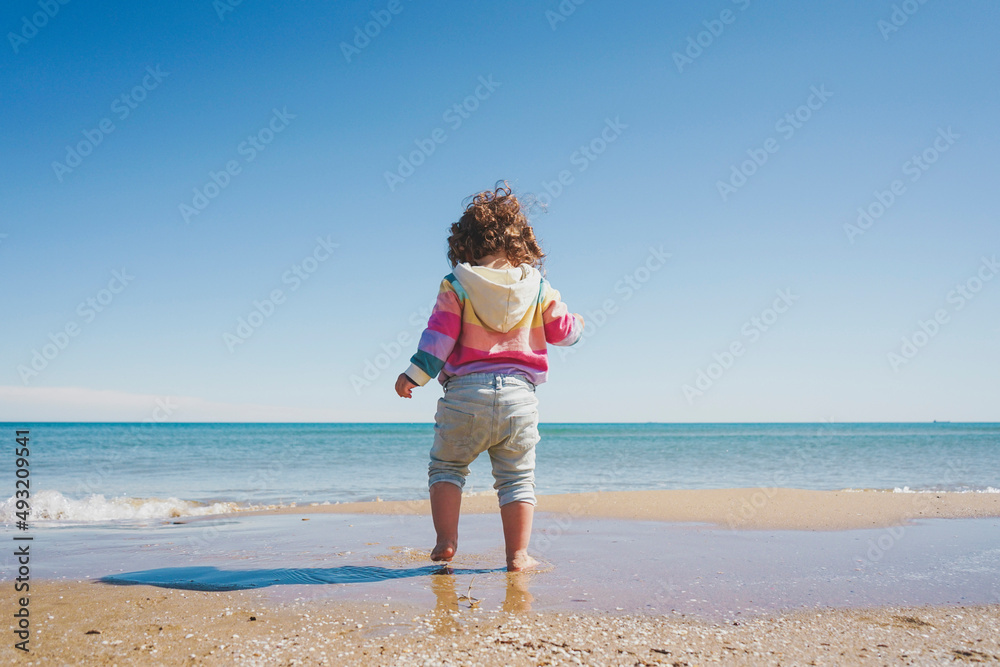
point(658, 577)
point(705, 294)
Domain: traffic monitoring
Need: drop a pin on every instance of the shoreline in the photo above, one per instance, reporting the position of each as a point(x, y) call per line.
point(738, 509)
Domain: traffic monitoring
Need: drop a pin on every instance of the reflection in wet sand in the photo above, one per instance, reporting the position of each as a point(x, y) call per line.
point(446, 605)
point(518, 598)
point(448, 601)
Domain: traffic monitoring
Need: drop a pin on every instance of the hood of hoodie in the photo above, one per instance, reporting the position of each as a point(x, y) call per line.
point(500, 297)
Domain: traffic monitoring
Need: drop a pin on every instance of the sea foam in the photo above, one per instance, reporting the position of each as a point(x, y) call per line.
point(906, 489)
point(52, 505)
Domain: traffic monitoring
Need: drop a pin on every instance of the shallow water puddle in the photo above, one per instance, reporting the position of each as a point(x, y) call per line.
point(588, 564)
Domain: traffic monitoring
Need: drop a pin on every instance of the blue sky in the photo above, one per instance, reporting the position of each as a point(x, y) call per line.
point(643, 109)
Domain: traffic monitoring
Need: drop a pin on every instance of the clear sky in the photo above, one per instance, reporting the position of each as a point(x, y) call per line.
point(166, 167)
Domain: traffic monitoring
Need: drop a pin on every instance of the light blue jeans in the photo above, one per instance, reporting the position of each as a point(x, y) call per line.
point(491, 412)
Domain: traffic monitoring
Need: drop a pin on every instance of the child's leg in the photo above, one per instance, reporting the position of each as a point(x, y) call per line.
point(446, 505)
point(457, 442)
point(516, 517)
point(514, 471)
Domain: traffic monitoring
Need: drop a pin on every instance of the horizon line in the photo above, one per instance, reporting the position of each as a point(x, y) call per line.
point(431, 423)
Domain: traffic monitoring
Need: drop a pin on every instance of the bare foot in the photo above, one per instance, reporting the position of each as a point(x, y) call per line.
point(520, 562)
point(444, 550)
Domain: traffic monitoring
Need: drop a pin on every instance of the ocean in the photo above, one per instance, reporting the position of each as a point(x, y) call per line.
point(94, 473)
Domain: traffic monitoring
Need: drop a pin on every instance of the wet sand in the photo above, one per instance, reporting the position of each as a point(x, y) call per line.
point(748, 509)
point(588, 565)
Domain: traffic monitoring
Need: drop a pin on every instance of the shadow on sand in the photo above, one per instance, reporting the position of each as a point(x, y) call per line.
point(213, 579)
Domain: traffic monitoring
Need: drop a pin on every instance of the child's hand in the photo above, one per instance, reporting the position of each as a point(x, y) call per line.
point(404, 386)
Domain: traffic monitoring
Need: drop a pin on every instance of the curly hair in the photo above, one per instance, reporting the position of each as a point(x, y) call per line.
point(494, 223)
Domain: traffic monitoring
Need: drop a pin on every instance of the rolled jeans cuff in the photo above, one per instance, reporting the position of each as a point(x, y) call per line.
point(451, 477)
point(514, 494)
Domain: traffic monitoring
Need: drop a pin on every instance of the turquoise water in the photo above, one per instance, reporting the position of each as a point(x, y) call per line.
point(82, 467)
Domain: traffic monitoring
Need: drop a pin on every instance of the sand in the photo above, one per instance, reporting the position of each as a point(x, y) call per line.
point(744, 509)
point(95, 624)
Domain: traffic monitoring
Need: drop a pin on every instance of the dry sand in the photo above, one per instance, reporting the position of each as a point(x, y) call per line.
point(758, 508)
point(96, 624)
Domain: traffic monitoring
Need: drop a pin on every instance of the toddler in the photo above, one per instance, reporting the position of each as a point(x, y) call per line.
point(485, 342)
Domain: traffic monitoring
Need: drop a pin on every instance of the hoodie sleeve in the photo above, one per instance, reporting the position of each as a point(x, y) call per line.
point(438, 339)
point(562, 327)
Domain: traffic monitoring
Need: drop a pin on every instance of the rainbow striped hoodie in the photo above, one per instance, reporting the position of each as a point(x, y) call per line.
point(493, 321)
